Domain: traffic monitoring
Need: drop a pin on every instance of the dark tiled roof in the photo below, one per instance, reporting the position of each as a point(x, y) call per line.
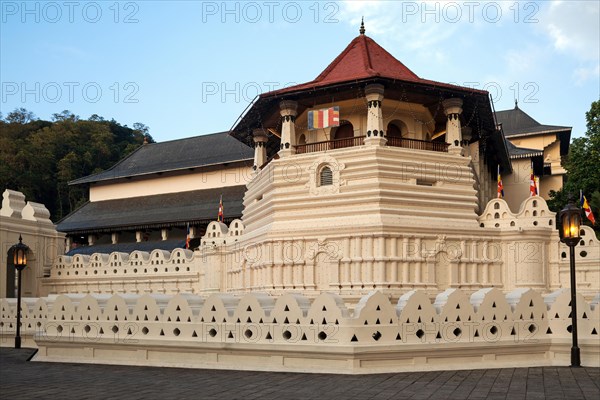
point(522, 152)
point(159, 211)
point(516, 122)
point(168, 245)
point(194, 152)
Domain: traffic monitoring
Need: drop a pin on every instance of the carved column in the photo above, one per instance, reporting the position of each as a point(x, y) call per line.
point(260, 148)
point(288, 111)
point(453, 109)
point(375, 133)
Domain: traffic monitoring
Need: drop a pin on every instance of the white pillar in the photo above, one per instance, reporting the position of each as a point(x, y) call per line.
point(68, 243)
point(260, 148)
point(164, 233)
point(375, 133)
point(466, 135)
point(288, 110)
point(453, 109)
point(138, 236)
point(91, 240)
point(115, 238)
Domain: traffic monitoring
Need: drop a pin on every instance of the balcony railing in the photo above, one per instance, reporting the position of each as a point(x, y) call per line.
point(329, 144)
point(358, 141)
point(417, 144)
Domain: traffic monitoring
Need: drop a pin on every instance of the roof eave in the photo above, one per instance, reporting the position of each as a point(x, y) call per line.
point(158, 172)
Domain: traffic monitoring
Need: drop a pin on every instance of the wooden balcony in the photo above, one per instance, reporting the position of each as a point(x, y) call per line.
point(417, 144)
point(358, 141)
point(329, 145)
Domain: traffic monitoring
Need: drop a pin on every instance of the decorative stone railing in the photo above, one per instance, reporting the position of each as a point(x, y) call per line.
point(413, 144)
point(293, 333)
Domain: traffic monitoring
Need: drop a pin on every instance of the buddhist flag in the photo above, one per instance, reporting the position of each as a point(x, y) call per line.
point(187, 237)
point(324, 118)
point(533, 189)
point(500, 186)
point(586, 207)
point(220, 215)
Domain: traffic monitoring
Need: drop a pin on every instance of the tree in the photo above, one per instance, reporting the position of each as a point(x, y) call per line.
point(583, 167)
point(40, 158)
point(20, 116)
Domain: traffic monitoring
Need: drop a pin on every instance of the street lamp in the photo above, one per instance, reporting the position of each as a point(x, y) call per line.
point(19, 251)
point(569, 221)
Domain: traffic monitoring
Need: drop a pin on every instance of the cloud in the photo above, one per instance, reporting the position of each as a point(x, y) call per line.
point(573, 27)
point(583, 74)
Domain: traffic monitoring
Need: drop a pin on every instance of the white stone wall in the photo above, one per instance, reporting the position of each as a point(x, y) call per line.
point(31, 221)
point(485, 329)
point(510, 251)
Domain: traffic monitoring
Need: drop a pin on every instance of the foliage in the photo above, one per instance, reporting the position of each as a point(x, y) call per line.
point(40, 158)
point(583, 168)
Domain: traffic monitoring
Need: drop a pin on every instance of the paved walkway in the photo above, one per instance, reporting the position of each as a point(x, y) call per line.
point(20, 379)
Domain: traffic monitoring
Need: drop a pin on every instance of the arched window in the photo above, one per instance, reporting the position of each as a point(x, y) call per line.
point(342, 135)
point(394, 129)
point(301, 140)
point(326, 177)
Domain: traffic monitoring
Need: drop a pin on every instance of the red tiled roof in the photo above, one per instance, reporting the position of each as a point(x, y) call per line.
point(363, 58)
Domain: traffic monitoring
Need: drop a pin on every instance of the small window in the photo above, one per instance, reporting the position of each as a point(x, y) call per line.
point(424, 183)
point(535, 203)
point(326, 177)
point(496, 206)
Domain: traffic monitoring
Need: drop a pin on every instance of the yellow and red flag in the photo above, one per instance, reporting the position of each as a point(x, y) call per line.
point(187, 237)
point(220, 215)
point(586, 208)
point(533, 189)
point(500, 186)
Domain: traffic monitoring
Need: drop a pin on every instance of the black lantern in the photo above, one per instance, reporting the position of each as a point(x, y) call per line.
point(19, 252)
point(569, 222)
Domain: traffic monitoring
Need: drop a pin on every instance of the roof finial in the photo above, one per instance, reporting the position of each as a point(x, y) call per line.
point(516, 104)
point(362, 26)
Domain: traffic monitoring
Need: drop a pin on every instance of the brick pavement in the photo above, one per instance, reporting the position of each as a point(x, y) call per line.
point(20, 379)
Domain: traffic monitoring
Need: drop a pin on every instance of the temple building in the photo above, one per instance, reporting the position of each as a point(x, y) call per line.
point(536, 146)
point(367, 177)
point(362, 233)
point(127, 210)
point(148, 199)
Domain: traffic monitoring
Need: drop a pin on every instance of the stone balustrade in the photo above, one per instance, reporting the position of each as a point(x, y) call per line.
point(291, 332)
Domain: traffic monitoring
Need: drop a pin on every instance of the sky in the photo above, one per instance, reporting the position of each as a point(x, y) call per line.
point(187, 68)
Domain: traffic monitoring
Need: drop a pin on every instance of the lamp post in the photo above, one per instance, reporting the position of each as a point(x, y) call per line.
point(20, 262)
point(569, 221)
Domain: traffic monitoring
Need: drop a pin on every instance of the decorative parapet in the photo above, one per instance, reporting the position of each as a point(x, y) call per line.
point(13, 203)
point(534, 212)
point(219, 234)
point(588, 248)
point(292, 333)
